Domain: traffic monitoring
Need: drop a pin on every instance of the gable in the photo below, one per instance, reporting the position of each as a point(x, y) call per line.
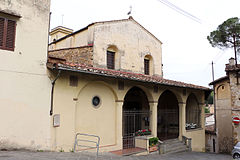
point(130, 20)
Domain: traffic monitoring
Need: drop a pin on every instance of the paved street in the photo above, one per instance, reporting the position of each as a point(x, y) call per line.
point(26, 155)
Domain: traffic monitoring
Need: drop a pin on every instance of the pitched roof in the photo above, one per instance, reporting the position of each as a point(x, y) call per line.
point(102, 22)
point(219, 80)
point(82, 68)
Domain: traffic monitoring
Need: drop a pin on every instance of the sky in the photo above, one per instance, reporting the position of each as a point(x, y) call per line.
point(186, 52)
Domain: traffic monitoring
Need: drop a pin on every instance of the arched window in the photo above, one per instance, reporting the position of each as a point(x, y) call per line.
point(193, 113)
point(148, 65)
point(111, 54)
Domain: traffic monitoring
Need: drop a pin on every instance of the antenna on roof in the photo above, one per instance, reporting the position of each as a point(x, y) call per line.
point(130, 12)
point(62, 19)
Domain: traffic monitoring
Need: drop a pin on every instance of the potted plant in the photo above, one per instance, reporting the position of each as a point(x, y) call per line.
point(153, 144)
point(143, 132)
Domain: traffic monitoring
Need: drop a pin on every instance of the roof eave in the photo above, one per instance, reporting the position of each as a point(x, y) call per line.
point(113, 76)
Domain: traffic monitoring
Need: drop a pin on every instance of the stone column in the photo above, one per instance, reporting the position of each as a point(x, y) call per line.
point(153, 117)
point(182, 119)
point(119, 135)
point(202, 118)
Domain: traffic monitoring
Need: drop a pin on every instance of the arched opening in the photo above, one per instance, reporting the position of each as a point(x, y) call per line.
point(168, 116)
point(135, 115)
point(193, 113)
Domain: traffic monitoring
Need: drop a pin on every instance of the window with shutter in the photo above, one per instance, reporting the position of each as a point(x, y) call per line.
point(146, 66)
point(1, 31)
point(110, 60)
point(7, 34)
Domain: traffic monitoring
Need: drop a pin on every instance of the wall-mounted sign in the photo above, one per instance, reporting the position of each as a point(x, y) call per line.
point(236, 120)
point(56, 120)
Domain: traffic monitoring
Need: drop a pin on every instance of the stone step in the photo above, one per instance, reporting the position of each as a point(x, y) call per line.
point(176, 144)
point(177, 151)
point(171, 141)
point(176, 148)
point(173, 146)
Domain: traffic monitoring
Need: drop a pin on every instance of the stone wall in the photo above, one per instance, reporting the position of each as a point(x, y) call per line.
point(78, 55)
point(235, 103)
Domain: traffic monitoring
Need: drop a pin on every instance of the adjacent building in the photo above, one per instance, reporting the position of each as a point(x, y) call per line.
point(227, 101)
point(25, 85)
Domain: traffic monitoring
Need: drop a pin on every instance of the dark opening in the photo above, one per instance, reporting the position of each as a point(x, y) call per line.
point(168, 116)
point(146, 66)
point(213, 145)
point(110, 60)
point(193, 113)
point(135, 115)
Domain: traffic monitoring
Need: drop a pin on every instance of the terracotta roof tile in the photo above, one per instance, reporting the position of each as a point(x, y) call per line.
point(121, 74)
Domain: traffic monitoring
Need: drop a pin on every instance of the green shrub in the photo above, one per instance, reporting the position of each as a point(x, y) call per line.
point(207, 110)
point(153, 141)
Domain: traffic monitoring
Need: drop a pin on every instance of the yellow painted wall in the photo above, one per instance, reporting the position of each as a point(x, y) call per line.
point(25, 86)
point(77, 40)
point(101, 119)
point(81, 39)
point(77, 113)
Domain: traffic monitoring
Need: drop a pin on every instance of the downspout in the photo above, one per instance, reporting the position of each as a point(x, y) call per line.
point(53, 84)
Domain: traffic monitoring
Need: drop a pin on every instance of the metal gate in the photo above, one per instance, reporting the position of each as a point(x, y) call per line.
point(168, 123)
point(132, 122)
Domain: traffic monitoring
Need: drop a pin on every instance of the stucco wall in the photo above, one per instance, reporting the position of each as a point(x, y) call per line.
point(25, 86)
point(81, 39)
point(210, 139)
point(77, 113)
point(223, 116)
point(77, 40)
point(131, 41)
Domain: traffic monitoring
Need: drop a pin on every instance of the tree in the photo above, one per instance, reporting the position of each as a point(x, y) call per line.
point(210, 98)
point(227, 35)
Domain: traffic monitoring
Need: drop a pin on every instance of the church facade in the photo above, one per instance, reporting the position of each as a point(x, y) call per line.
point(108, 81)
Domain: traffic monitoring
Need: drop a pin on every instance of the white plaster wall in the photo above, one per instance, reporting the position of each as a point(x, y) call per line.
point(25, 86)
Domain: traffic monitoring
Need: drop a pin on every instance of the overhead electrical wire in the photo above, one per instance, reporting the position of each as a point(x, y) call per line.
point(179, 10)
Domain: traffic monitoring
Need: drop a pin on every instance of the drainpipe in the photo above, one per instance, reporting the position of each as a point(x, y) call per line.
point(53, 84)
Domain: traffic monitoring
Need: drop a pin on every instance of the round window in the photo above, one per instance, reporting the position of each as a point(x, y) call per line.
point(96, 101)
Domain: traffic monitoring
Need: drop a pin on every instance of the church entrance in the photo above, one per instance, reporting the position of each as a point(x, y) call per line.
point(135, 115)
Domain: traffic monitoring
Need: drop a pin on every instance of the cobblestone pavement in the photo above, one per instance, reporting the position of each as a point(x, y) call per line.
point(27, 155)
